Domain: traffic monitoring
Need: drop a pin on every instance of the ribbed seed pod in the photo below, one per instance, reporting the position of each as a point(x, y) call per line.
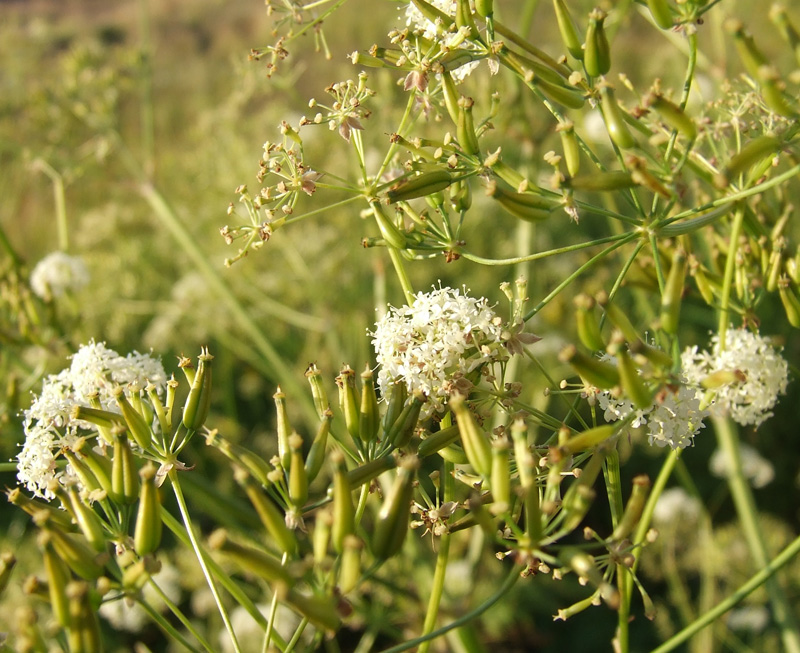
point(320, 611)
point(348, 400)
point(580, 494)
point(72, 550)
point(634, 507)
point(753, 152)
point(147, 532)
point(592, 370)
point(392, 525)
point(198, 402)
point(451, 96)
point(124, 475)
point(371, 470)
point(587, 439)
point(350, 567)
point(772, 87)
point(673, 293)
point(597, 56)
point(272, 519)
point(7, 563)
point(618, 317)
point(632, 383)
point(252, 560)
point(587, 324)
point(298, 480)
point(525, 206)
point(420, 185)
point(566, 27)
point(318, 451)
point(476, 444)
point(661, 13)
point(283, 428)
point(400, 433)
point(614, 119)
point(58, 575)
point(465, 127)
point(484, 8)
point(790, 301)
point(369, 416)
point(344, 511)
point(34, 507)
point(137, 427)
point(438, 441)
point(569, 145)
point(158, 406)
point(501, 473)
point(88, 521)
point(672, 114)
point(84, 631)
point(750, 55)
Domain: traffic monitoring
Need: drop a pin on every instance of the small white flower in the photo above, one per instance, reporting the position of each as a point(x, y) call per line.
point(57, 274)
point(441, 337)
point(675, 505)
point(95, 371)
point(761, 374)
point(758, 470)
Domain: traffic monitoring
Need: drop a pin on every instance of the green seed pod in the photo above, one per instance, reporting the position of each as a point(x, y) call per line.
point(750, 55)
point(569, 145)
point(283, 429)
point(321, 535)
point(318, 394)
point(437, 441)
point(615, 180)
point(672, 114)
point(58, 575)
point(633, 509)
point(631, 381)
point(137, 427)
point(465, 127)
point(169, 404)
point(88, 521)
point(103, 420)
point(7, 563)
point(790, 301)
point(587, 439)
point(597, 56)
point(317, 453)
point(320, 611)
point(618, 318)
point(773, 271)
point(403, 428)
point(124, 475)
point(99, 467)
point(476, 444)
point(147, 532)
point(79, 557)
point(451, 96)
point(580, 495)
point(369, 417)
point(654, 355)
point(396, 403)
point(158, 406)
point(421, 185)
point(753, 152)
point(484, 8)
point(350, 567)
point(772, 92)
point(526, 206)
point(788, 31)
point(464, 19)
point(348, 400)
point(454, 454)
point(501, 474)
point(249, 559)
point(614, 119)
point(344, 511)
point(566, 27)
point(391, 524)
point(673, 293)
point(298, 480)
point(34, 507)
point(83, 633)
point(592, 370)
point(272, 519)
point(522, 453)
point(703, 285)
point(195, 410)
point(661, 13)
point(557, 92)
point(588, 325)
point(369, 471)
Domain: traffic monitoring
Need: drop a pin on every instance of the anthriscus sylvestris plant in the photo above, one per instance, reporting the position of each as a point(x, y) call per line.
point(588, 213)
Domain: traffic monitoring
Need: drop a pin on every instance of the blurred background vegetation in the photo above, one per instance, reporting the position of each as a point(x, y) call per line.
point(106, 99)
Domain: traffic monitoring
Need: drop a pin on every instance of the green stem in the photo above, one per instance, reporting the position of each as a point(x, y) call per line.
point(756, 581)
point(441, 565)
point(181, 617)
point(402, 275)
point(60, 201)
point(169, 629)
point(201, 558)
point(539, 255)
point(727, 281)
point(512, 577)
point(728, 440)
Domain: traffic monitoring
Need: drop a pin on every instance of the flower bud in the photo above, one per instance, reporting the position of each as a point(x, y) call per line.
point(198, 403)
point(369, 417)
point(298, 480)
point(420, 185)
point(526, 206)
point(592, 370)
point(317, 452)
point(343, 509)
point(88, 521)
point(318, 394)
point(614, 118)
point(124, 476)
point(465, 127)
point(633, 509)
point(391, 524)
point(249, 559)
point(58, 575)
point(584, 566)
point(137, 427)
point(147, 532)
point(348, 400)
point(566, 27)
point(597, 56)
point(476, 444)
point(268, 513)
point(283, 429)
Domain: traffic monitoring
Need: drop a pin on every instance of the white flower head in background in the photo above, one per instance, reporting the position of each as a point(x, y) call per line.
point(675, 506)
point(752, 372)
point(443, 336)
point(58, 274)
point(758, 470)
point(95, 371)
point(124, 614)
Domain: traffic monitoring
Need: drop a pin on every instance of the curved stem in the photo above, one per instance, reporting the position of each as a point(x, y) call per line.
point(538, 255)
point(201, 558)
point(728, 440)
point(60, 201)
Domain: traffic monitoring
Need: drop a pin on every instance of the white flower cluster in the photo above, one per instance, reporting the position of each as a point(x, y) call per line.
point(756, 469)
point(431, 344)
point(676, 506)
point(759, 371)
point(58, 273)
point(95, 372)
point(430, 31)
point(673, 419)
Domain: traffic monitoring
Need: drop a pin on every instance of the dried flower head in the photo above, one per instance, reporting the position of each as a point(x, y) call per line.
point(442, 337)
point(57, 274)
point(754, 371)
point(93, 375)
